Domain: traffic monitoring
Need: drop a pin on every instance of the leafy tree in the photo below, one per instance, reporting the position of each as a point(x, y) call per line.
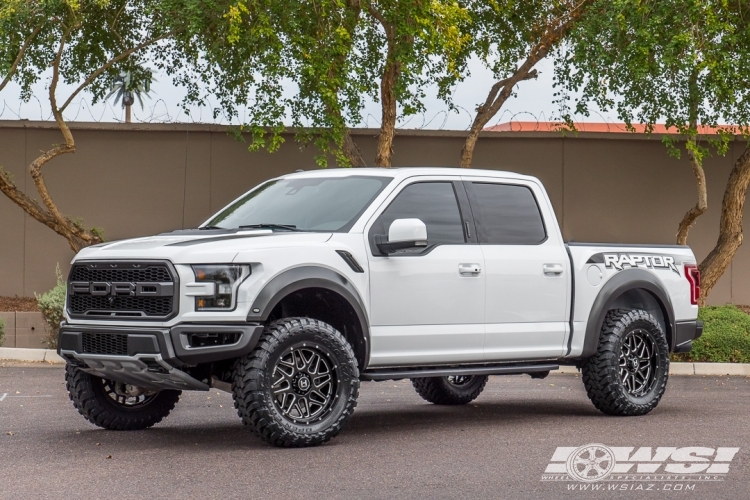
point(271, 43)
point(338, 53)
point(87, 44)
point(511, 37)
point(411, 44)
point(130, 86)
point(681, 61)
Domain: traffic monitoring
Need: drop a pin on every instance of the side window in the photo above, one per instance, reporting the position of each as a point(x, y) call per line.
point(435, 204)
point(506, 214)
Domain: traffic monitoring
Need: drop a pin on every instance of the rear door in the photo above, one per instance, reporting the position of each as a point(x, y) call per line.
point(425, 307)
point(527, 270)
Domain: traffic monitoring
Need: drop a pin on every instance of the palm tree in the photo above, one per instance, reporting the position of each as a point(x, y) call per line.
point(127, 89)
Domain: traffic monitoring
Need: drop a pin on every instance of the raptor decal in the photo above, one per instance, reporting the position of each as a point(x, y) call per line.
point(622, 261)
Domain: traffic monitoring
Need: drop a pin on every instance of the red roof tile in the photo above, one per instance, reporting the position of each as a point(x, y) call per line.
point(659, 128)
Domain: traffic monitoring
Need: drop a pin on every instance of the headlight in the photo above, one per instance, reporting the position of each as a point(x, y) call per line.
point(227, 278)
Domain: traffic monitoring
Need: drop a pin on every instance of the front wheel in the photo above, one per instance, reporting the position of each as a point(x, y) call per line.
point(116, 406)
point(451, 390)
point(628, 374)
point(300, 384)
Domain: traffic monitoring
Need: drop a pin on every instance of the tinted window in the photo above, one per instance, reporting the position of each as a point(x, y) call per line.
point(506, 214)
point(434, 203)
point(308, 203)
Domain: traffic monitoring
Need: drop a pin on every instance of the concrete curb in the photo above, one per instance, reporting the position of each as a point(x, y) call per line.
point(21, 354)
point(740, 369)
point(715, 369)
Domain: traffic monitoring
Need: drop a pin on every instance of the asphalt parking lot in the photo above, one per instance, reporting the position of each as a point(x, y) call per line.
point(396, 446)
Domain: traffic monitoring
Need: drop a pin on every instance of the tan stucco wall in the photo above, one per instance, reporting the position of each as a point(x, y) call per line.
point(135, 180)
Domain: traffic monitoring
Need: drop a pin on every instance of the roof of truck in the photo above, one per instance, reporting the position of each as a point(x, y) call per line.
point(405, 172)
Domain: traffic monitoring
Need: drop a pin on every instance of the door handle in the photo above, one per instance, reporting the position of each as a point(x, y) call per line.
point(469, 269)
point(552, 269)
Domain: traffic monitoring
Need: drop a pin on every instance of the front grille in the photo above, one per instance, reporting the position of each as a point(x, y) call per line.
point(145, 290)
point(105, 343)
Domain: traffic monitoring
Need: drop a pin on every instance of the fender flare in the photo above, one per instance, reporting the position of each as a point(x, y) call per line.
point(299, 278)
point(624, 281)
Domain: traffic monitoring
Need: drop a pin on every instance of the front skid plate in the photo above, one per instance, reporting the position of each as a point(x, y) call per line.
point(132, 370)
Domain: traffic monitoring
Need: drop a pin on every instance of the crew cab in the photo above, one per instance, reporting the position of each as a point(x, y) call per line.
point(310, 283)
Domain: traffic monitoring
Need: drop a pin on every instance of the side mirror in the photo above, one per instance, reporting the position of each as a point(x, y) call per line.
point(403, 233)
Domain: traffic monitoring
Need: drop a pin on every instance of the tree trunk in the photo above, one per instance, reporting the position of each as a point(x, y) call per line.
point(127, 114)
point(467, 152)
point(388, 122)
point(730, 226)
point(701, 205)
point(49, 215)
point(352, 152)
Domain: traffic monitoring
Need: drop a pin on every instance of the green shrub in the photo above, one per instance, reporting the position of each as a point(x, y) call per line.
point(2, 332)
point(725, 339)
point(52, 304)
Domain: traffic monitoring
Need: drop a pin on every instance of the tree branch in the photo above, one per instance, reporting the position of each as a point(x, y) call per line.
point(35, 169)
point(381, 19)
point(555, 30)
point(19, 58)
point(53, 90)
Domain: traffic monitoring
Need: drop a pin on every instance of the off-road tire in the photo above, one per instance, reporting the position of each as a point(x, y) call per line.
point(253, 378)
point(439, 391)
point(601, 372)
point(90, 399)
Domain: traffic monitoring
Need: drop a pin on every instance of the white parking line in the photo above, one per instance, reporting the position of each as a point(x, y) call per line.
point(5, 395)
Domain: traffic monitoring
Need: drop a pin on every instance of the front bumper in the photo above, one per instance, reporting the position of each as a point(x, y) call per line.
point(154, 358)
point(685, 333)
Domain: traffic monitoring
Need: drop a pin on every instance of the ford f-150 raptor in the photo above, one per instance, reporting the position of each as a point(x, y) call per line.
point(312, 282)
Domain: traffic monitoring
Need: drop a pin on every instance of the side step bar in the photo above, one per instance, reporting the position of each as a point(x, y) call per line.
point(401, 373)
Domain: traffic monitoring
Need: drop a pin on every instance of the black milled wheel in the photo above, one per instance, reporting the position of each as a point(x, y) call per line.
point(453, 390)
point(299, 386)
point(107, 404)
point(629, 372)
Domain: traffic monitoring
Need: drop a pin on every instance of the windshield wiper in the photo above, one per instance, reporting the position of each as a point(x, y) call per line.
point(285, 227)
point(210, 227)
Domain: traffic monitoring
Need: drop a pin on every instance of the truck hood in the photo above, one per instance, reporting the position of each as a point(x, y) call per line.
point(198, 247)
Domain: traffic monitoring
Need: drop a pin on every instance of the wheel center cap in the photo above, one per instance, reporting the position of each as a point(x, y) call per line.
point(633, 363)
point(302, 383)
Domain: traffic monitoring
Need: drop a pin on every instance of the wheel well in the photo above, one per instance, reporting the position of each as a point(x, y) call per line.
point(643, 299)
point(329, 307)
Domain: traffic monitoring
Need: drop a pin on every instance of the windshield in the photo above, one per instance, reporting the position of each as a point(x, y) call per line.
point(303, 204)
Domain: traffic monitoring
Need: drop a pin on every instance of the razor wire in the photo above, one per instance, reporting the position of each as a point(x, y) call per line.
point(159, 111)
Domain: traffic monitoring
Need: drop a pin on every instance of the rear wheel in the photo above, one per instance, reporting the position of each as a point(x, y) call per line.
point(117, 406)
point(452, 390)
point(629, 372)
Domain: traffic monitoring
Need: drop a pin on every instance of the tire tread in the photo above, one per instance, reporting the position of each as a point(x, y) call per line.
point(89, 402)
point(600, 372)
point(252, 403)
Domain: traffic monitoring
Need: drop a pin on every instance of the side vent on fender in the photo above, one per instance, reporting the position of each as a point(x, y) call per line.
point(349, 259)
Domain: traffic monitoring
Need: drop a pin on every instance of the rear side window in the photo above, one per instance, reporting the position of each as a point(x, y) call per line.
point(506, 214)
point(435, 204)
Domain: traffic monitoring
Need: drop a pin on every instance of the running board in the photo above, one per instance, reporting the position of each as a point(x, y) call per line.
point(400, 373)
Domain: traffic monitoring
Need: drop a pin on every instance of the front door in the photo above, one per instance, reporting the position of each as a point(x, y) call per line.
point(427, 303)
point(527, 271)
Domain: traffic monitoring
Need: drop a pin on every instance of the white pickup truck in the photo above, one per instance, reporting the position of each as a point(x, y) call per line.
point(312, 282)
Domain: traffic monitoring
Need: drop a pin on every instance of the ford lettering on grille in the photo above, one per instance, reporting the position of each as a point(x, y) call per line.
point(103, 288)
point(122, 289)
